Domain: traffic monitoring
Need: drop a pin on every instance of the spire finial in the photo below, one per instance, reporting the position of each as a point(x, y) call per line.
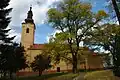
point(30, 7)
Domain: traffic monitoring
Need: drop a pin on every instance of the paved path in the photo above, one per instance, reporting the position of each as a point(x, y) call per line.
point(80, 77)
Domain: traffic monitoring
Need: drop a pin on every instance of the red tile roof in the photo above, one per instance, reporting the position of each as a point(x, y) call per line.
point(37, 46)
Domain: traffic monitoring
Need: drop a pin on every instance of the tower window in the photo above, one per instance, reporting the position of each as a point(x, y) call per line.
point(27, 30)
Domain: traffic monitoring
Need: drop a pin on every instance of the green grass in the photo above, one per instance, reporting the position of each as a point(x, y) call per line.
point(69, 76)
point(46, 77)
point(100, 75)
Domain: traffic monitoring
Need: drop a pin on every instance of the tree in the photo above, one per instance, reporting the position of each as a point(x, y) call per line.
point(40, 63)
point(12, 60)
point(4, 21)
point(75, 20)
point(6, 43)
point(114, 3)
point(116, 8)
point(108, 37)
point(58, 50)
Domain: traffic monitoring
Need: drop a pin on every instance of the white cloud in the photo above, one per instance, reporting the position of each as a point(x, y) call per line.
point(52, 34)
point(117, 23)
point(39, 14)
point(14, 33)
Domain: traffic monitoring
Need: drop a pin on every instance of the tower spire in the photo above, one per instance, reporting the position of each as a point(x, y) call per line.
point(29, 16)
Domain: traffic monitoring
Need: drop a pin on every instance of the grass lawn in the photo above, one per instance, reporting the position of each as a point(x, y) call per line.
point(68, 76)
point(100, 75)
point(53, 76)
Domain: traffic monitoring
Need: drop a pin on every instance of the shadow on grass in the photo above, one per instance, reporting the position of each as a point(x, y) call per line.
point(42, 77)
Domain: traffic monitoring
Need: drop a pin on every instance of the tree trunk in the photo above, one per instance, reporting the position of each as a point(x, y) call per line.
point(116, 57)
point(40, 72)
point(116, 10)
point(4, 74)
point(1, 74)
point(74, 68)
point(11, 77)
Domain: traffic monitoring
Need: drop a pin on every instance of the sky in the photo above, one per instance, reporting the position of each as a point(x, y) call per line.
point(39, 8)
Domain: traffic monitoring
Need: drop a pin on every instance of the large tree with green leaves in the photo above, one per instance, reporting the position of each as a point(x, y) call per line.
point(41, 63)
point(75, 20)
point(107, 36)
point(116, 8)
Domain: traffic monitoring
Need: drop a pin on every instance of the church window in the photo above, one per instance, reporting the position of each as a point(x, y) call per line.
point(27, 30)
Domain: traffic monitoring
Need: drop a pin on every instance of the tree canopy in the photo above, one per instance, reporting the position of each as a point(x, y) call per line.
point(41, 63)
point(108, 37)
point(4, 21)
point(12, 56)
point(75, 20)
point(12, 59)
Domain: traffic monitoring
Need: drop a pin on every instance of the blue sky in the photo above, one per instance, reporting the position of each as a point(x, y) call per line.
point(43, 31)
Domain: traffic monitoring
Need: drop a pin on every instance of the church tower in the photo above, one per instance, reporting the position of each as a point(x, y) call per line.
point(28, 30)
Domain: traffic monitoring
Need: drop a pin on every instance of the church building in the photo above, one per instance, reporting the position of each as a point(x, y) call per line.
point(32, 50)
point(27, 39)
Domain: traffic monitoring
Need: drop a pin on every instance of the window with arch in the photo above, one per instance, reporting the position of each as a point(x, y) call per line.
point(27, 30)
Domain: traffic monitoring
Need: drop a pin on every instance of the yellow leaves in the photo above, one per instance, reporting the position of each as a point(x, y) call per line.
point(85, 6)
point(101, 14)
